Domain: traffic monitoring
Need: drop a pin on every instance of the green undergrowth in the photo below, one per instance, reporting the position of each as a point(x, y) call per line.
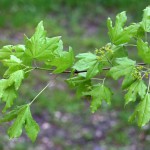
point(19, 13)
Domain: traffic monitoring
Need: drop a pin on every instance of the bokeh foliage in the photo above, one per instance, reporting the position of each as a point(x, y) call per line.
point(20, 12)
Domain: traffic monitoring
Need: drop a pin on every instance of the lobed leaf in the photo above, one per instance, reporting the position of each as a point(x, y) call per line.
point(118, 34)
point(40, 47)
point(7, 51)
point(142, 111)
point(24, 118)
point(16, 78)
point(63, 61)
point(143, 50)
point(124, 67)
point(99, 93)
point(85, 62)
point(146, 19)
point(80, 83)
point(8, 96)
point(136, 88)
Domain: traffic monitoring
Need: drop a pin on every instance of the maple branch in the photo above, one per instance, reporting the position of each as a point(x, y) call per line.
point(76, 71)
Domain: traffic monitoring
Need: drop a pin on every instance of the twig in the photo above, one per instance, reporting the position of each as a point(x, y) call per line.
point(49, 83)
point(76, 71)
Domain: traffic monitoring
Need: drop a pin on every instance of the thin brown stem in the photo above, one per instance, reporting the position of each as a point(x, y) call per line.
point(76, 71)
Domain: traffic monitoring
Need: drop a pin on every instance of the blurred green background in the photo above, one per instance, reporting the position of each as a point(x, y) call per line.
point(65, 120)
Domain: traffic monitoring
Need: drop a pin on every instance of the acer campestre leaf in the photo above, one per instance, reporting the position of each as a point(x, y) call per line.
point(63, 61)
point(114, 32)
point(12, 61)
point(8, 96)
point(23, 118)
point(143, 50)
point(9, 86)
point(3, 86)
point(94, 70)
point(89, 62)
point(13, 65)
point(80, 83)
point(142, 111)
point(118, 52)
point(33, 45)
point(146, 19)
point(9, 116)
point(7, 51)
point(124, 67)
point(99, 93)
point(136, 88)
point(39, 46)
point(16, 78)
point(118, 34)
point(85, 62)
point(128, 80)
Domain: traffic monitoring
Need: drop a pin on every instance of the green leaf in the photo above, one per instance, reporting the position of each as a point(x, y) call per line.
point(8, 87)
point(7, 51)
point(16, 78)
point(114, 32)
point(118, 52)
point(142, 111)
point(146, 19)
point(118, 34)
point(81, 84)
point(74, 81)
point(128, 80)
point(94, 70)
point(11, 70)
point(39, 46)
point(99, 93)
point(9, 116)
point(137, 88)
point(3, 86)
point(16, 129)
point(31, 127)
point(83, 88)
point(140, 32)
point(128, 33)
point(143, 50)
point(86, 55)
point(24, 118)
point(125, 66)
point(13, 63)
point(33, 45)
point(86, 61)
point(8, 96)
point(63, 62)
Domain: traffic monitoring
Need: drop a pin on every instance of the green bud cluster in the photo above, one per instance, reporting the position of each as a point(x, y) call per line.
point(140, 67)
point(146, 74)
point(136, 73)
point(103, 51)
